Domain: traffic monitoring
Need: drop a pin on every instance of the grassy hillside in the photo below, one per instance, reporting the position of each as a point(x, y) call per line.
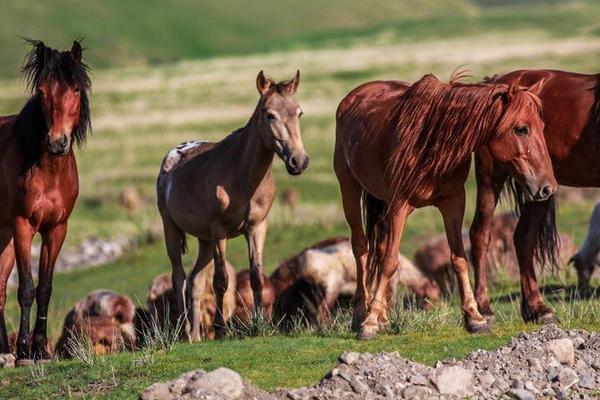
point(148, 32)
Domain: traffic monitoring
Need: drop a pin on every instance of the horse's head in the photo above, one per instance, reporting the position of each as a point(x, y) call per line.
point(61, 83)
point(520, 145)
point(279, 116)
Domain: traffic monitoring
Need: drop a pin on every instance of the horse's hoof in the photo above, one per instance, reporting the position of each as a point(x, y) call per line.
point(367, 332)
point(478, 327)
point(547, 318)
point(24, 362)
point(490, 319)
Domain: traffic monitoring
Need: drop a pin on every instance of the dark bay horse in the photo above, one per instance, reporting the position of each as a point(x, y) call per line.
point(216, 191)
point(401, 147)
point(39, 182)
point(571, 104)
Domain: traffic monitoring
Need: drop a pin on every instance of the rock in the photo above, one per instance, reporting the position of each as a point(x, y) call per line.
point(578, 342)
point(349, 357)
point(222, 383)
point(522, 394)
point(587, 381)
point(419, 379)
point(7, 360)
point(486, 379)
point(567, 378)
point(416, 392)
point(455, 381)
point(563, 350)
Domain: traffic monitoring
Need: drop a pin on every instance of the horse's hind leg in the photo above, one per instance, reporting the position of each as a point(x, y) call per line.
point(220, 283)
point(175, 242)
point(351, 200)
point(453, 209)
point(533, 308)
point(7, 261)
point(377, 307)
point(52, 242)
point(255, 237)
point(204, 258)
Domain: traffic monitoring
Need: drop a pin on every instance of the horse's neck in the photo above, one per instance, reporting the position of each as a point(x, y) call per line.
point(256, 160)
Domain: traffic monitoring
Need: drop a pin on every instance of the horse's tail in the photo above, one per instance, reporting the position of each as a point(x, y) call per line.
point(546, 250)
point(376, 229)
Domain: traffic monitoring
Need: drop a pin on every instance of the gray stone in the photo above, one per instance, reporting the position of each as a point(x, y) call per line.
point(563, 350)
point(486, 379)
point(567, 378)
point(522, 394)
point(419, 379)
point(349, 357)
point(578, 342)
point(455, 381)
point(416, 392)
point(587, 382)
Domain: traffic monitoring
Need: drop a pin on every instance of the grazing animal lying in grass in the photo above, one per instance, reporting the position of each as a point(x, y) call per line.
point(587, 259)
point(162, 302)
point(433, 257)
point(245, 298)
point(218, 191)
point(101, 322)
point(310, 282)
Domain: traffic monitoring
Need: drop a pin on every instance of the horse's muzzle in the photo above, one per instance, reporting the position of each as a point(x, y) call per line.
point(296, 165)
point(58, 147)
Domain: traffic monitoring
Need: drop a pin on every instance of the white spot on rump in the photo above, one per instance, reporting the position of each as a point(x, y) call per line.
point(175, 155)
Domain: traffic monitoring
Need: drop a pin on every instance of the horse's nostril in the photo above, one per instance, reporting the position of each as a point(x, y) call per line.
point(305, 164)
point(293, 162)
point(63, 140)
point(546, 191)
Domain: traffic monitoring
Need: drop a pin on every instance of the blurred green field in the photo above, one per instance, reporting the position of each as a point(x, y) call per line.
point(146, 103)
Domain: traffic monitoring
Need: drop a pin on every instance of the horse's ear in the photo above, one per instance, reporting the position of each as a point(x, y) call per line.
point(536, 88)
point(76, 51)
point(513, 89)
point(262, 83)
point(292, 85)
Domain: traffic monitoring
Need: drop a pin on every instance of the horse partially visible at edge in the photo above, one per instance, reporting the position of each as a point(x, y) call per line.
point(399, 147)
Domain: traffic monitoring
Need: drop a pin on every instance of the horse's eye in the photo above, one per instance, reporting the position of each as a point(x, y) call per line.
point(522, 130)
point(271, 116)
point(76, 89)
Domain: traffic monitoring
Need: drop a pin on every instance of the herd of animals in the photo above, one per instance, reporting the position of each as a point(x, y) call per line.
point(398, 146)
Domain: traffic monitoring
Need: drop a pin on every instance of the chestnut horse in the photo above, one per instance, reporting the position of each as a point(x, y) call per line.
point(39, 182)
point(217, 191)
point(402, 147)
point(571, 104)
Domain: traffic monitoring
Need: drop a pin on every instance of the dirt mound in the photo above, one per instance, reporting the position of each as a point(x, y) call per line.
point(549, 362)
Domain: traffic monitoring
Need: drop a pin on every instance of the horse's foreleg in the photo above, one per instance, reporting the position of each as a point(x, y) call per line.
point(194, 295)
point(255, 237)
point(174, 240)
point(22, 240)
point(533, 308)
point(52, 242)
point(7, 261)
point(453, 210)
point(220, 283)
point(489, 187)
point(351, 200)
point(377, 307)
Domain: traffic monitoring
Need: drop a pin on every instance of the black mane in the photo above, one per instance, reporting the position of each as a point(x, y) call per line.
point(43, 63)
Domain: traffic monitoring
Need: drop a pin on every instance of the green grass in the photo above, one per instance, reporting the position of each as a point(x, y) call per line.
point(149, 32)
